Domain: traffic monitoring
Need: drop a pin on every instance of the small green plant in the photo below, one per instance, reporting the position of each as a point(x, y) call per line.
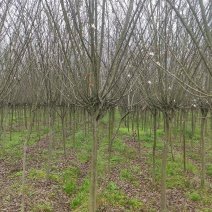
point(114, 195)
point(116, 159)
point(45, 207)
point(206, 196)
point(135, 203)
point(69, 182)
point(124, 131)
point(69, 186)
point(82, 195)
point(16, 174)
point(125, 174)
point(83, 157)
point(194, 196)
point(37, 174)
point(54, 177)
point(189, 132)
point(80, 135)
point(15, 186)
point(160, 132)
point(128, 177)
point(148, 137)
point(104, 121)
point(192, 168)
point(209, 169)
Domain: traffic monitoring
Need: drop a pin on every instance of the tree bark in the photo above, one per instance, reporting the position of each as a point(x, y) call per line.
point(93, 184)
point(204, 112)
point(24, 161)
point(154, 146)
point(164, 162)
point(48, 168)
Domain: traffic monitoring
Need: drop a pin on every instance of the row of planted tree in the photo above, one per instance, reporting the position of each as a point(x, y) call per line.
point(69, 118)
point(101, 54)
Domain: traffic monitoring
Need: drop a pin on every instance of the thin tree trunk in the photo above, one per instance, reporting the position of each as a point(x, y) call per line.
point(211, 120)
point(138, 134)
point(154, 146)
point(204, 112)
point(11, 122)
point(181, 120)
point(48, 168)
point(24, 161)
point(128, 122)
point(184, 142)
point(63, 134)
point(164, 162)
point(171, 140)
point(38, 123)
point(93, 184)
point(85, 123)
point(110, 129)
point(4, 126)
point(192, 128)
point(133, 124)
point(2, 116)
point(19, 119)
point(25, 116)
point(74, 128)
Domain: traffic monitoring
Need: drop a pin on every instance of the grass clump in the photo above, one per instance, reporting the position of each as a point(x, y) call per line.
point(194, 196)
point(69, 181)
point(209, 169)
point(37, 174)
point(124, 131)
point(83, 157)
point(127, 176)
point(135, 204)
point(82, 195)
point(113, 195)
point(43, 207)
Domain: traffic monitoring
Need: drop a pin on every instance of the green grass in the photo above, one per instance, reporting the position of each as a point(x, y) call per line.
point(69, 179)
point(209, 169)
point(105, 119)
point(194, 196)
point(126, 175)
point(81, 197)
point(124, 131)
point(37, 174)
point(112, 195)
point(47, 207)
point(16, 174)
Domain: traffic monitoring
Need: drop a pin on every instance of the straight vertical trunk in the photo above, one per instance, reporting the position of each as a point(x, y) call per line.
point(154, 146)
point(192, 127)
point(63, 134)
point(164, 162)
point(48, 168)
point(93, 184)
point(138, 133)
point(74, 129)
point(85, 124)
point(2, 116)
point(184, 141)
point(110, 140)
point(11, 122)
point(204, 112)
point(25, 116)
point(24, 162)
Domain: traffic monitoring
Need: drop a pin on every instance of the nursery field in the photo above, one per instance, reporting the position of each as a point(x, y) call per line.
point(124, 171)
point(105, 105)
